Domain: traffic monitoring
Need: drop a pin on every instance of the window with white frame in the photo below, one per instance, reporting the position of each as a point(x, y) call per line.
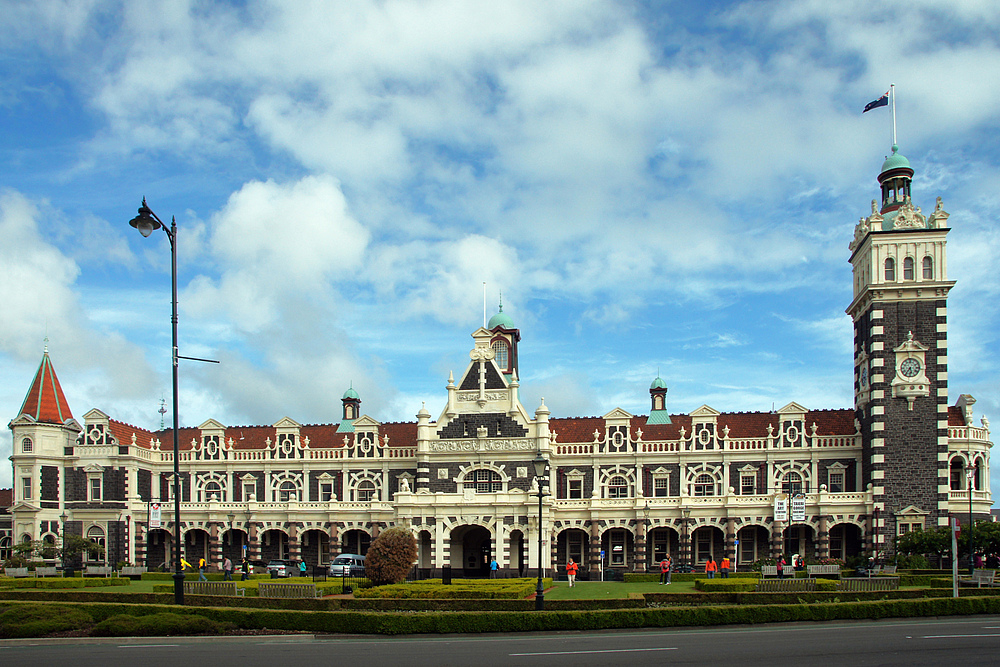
point(661, 487)
point(287, 491)
point(618, 487)
point(836, 484)
point(26, 488)
point(96, 535)
point(249, 488)
point(907, 268)
point(574, 488)
point(792, 484)
point(483, 480)
point(325, 492)
point(95, 488)
point(213, 490)
point(366, 491)
point(928, 268)
point(704, 485)
point(502, 353)
point(890, 269)
point(27, 446)
point(909, 525)
point(748, 483)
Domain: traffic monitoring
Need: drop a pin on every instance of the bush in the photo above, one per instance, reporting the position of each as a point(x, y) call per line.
point(390, 556)
point(726, 585)
point(159, 625)
point(38, 620)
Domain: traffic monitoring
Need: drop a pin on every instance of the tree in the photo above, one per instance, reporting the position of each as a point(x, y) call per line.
point(75, 545)
point(390, 556)
point(935, 541)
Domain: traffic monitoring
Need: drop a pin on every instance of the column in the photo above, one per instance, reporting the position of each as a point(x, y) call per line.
point(777, 543)
point(294, 547)
point(823, 544)
point(334, 533)
point(253, 547)
point(214, 546)
point(685, 546)
point(731, 539)
point(595, 547)
point(640, 563)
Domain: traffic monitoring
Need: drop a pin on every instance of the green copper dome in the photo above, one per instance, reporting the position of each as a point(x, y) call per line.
point(895, 161)
point(658, 383)
point(350, 393)
point(501, 319)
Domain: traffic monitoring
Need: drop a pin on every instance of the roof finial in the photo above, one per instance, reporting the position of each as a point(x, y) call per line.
point(162, 411)
point(501, 301)
point(45, 349)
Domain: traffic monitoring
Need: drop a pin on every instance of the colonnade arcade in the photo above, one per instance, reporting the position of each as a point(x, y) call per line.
point(468, 546)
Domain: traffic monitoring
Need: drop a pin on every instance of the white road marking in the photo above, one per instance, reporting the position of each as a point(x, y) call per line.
point(622, 650)
point(957, 636)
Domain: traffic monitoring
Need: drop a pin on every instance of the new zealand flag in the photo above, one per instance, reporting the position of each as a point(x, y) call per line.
point(880, 102)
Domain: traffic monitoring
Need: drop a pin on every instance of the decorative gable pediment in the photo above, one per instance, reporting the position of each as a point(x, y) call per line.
point(212, 425)
point(93, 468)
point(793, 409)
point(287, 424)
point(705, 412)
point(96, 415)
point(366, 422)
point(912, 511)
point(618, 415)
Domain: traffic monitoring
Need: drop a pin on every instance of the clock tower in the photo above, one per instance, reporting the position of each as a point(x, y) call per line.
point(900, 313)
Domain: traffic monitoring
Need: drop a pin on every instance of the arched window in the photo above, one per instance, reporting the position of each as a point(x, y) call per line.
point(502, 353)
point(287, 492)
point(618, 487)
point(96, 535)
point(367, 492)
point(214, 489)
point(957, 474)
point(928, 268)
point(484, 481)
point(907, 268)
point(890, 269)
point(792, 484)
point(27, 446)
point(704, 485)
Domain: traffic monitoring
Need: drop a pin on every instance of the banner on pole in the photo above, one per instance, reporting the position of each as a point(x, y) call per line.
point(781, 507)
point(154, 516)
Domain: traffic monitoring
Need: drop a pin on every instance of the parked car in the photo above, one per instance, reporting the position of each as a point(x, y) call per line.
point(352, 565)
point(283, 568)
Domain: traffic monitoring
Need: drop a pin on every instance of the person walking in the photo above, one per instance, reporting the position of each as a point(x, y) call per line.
point(571, 570)
point(665, 571)
point(227, 569)
point(244, 569)
point(724, 567)
point(494, 568)
point(201, 569)
point(781, 567)
point(302, 568)
point(711, 567)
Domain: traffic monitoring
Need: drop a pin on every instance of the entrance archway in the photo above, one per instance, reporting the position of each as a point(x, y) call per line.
point(471, 551)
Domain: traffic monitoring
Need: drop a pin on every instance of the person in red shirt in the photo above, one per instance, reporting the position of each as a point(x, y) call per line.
point(571, 569)
point(665, 566)
point(711, 567)
point(724, 567)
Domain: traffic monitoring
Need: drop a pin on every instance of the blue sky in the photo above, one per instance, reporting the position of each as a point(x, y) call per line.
point(656, 187)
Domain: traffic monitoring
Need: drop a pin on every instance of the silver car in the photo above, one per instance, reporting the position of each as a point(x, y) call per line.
point(351, 565)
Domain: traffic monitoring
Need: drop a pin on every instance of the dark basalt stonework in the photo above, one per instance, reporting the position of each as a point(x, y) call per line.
point(498, 425)
point(493, 379)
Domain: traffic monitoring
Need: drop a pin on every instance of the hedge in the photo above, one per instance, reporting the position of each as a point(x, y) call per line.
point(509, 589)
point(652, 578)
point(57, 583)
point(489, 621)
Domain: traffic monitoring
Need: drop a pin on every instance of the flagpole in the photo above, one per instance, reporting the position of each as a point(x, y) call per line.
point(892, 98)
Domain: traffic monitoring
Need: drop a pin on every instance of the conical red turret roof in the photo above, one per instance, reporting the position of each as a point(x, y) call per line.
point(45, 401)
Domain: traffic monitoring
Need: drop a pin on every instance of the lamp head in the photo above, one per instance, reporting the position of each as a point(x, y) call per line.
point(145, 222)
point(539, 462)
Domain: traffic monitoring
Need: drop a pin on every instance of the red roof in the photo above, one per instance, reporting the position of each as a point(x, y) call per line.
point(956, 416)
point(6, 498)
point(45, 401)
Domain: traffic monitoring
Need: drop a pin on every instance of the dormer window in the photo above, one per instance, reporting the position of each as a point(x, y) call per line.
point(501, 353)
point(890, 270)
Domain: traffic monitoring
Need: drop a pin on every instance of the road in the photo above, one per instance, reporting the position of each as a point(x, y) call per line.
point(969, 640)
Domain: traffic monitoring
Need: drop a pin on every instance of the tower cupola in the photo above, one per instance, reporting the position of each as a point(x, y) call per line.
point(895, 179)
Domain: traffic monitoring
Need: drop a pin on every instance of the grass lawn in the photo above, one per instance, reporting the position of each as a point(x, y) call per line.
point(606, 590)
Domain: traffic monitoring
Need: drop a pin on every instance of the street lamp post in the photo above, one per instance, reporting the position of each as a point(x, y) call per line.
point(970, 473)
point(147, 222)
point(540, 462)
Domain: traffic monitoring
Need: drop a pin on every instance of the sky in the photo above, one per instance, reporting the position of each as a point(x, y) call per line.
point(656, 188)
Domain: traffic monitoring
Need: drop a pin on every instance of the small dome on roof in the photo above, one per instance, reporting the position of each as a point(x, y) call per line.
point(895, 161)
point(350, 393)
point(501, 319)
point(658, 383)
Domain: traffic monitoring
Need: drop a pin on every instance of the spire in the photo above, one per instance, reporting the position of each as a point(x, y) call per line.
point(45, 401)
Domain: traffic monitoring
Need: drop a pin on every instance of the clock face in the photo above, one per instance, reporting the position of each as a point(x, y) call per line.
point(910, 367)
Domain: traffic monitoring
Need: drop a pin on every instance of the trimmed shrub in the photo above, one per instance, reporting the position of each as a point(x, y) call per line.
point(726, 585)
point(159, 625)
point(390, 556)
point(38, 620)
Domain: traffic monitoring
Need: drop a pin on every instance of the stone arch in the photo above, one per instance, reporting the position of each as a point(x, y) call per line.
point(471, 548)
